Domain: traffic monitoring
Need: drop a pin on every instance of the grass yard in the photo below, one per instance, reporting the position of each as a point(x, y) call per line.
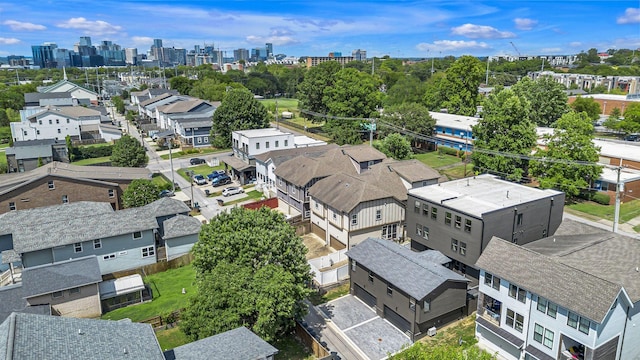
point(628, 210)
point(457, 172)
point(96, 145)
point(167, 295)
point(5, 145)
point(162, 181)
point(98, 160)
point(283, 104)
point(291, 349)
point(191, 153)
point(251, 195)
point(317, 298)
point(435, 160)
point(171, 338)
point(202, 169)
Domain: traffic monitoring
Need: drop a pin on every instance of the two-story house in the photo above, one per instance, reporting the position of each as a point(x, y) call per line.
point(37, 100)
point(77, 92)
point(564, 297)
point(459, 217)
point(454, 131)
point(28, 155)
point(147, 108)
point(190, 107)
point(412, 290)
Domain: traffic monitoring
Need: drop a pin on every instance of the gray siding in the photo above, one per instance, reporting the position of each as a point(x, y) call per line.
point(631, 340)
point(180, 246)
point(36, 258)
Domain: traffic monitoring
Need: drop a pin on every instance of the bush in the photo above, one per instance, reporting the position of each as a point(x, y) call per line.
point(602, 198)
point(447, 151)
point(92, 152)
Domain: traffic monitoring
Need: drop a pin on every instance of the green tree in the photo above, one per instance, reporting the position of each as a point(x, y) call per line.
point(311, 89)
point(631, 122)
point(460, 86)
point(118, 103)
point(239, 111)
point(504, 127)
point(140, 193)
point(4, 119)
point(408, 89)
point(410, 117)
point(395, 146)
point(571, 141)
point(128, 152)
point(587, 105)
point(547, 98)
point(251, 270)
point(182, 84)
point(433, 96)
point(354, 95)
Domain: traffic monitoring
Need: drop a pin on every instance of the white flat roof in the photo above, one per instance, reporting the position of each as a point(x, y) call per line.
point(254, 133)
point(303, 140)
point(619, 149)
point(120, 286)
point(453, 120)
point(609, 97)
point(480, 194)
point(626, 175)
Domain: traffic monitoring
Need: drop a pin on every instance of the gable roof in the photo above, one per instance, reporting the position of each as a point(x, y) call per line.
point(49, 278)
point(419, 274)
point(363, 153)
point(304, 168)
point(411, 170)
point(12, 300)
point(74, 112)
point(280, 156)
point(344, 192)
point(184, 106)
point(35, 97)
point(31, 336)
point(166, 206)
point(54, 87)
point(237, 344)
point(551, 278)
point(155, 99)
point(181, 225)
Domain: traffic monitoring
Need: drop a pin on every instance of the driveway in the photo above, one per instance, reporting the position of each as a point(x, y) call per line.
point(374, 336)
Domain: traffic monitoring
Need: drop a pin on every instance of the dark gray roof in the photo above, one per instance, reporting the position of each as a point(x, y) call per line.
point(49, 278)
point(344, 192)
point(195, 122)
point(166, 206)
point(280, 156)
point(12, 300)
point(411, 170)
point(568, 286)
point(418, 276)
point(32, 149)
point(155, 99)
point(235, 163)
point(55, 337)
point(236, 344)
point(38, 142)
point(181, 225)
point(509, 337)
point(36, 96)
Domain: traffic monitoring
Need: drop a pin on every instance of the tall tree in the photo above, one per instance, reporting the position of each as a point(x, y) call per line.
point(631, 121)
point(572, 141)
point(587, 105)
point(139, 193)
point(239, 111)
point(460, 86)
point(128, 152)
point(433, 95)
point(354, 95)
point(311, 89)
point(547, 98)
point(408, 116)
point(408, 89)
point(251, 270)
point(182, 84)
point(504, 127)
point(395, 146)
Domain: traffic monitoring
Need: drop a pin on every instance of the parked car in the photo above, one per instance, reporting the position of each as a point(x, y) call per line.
point(232, 190)
point(196, 161)
point(215, 174)
point(199, 179)
point(166, 193)
point(221, 180)
point(632, 137)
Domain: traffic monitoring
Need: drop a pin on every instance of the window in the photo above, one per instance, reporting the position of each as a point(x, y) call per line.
point(148, 251)
point(491, 280)
point(67, 121)
point(77, 247)
point(137, 235)
point(463, 248)
point(370, 277)
point(74, 291)
point(280, 181)
point(39, 122)
point(458, 223)
point(277, 143)
point(412, 304)
point(548, 338)
point(519, 325)
point(65, 199)
point(537, 333)
point(315, 205)
point(12, 206)
point(51, 185)
point(50, 122)
point(37, 132)
point(257, 146)
point(426, 306)
point(467, 225)
point(416, 209)
point(57, 121)
point(335, 217)
point(266, 145)
point(286, 143)
point(434, 213)
point(546, 306)
point(418, 229)
point(354, 219)
point(389, 290)
point(390, 231)
point(447, 218)
point(97, 244)
point(353, 265)
point(454, 245)
point(510, 318)
point(425, 209)
point(112, 193)
point(378, 215)
point(517, 293)
point(572, 320)
point(57, 294)
point(584, 325)
point(519, 219)
point(425, 232)
point(59, 132)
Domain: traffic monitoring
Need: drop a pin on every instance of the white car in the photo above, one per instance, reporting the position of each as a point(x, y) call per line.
point(232, 190)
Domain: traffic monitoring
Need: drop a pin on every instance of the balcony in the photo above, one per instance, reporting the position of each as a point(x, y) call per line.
point(490, 310)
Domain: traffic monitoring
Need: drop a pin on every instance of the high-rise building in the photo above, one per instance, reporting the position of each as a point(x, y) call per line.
point(85, 41)
point(157, 43)
point(112, 53)
point(269, 47)
point(43, 55)
point(131, 55)
point(240, 54)
point(359, 54)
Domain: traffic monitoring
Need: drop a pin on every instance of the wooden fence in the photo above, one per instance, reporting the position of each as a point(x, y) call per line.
point(153, 268)
point(319, 351)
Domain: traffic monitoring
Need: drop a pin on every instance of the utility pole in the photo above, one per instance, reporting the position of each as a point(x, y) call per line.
point(173, 181)
point(619, 187)
point(372, 124)
point(432, 71)
point(17, 78)
point(486, 79)
point(542, 68)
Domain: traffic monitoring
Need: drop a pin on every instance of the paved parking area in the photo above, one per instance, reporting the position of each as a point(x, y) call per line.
point(373, 335)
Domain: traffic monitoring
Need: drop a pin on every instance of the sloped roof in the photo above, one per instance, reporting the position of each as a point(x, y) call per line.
point(68, 111)
point(35, 97)
point(12, 300)
point(344, 192)
point(565, 284)
point(181, 225)
point(155, 99)
point(280, 156)
point(52, 88)
point(166, 206)
point(411, 170)
point(304, 168)
point(49, 278)
point(418, 276)
point(185, 106)
point(56, 337)
point(363, 153)
point(237, 344)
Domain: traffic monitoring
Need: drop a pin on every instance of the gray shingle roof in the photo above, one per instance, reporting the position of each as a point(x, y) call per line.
point(166, 206)
point(566, 285)
point(155, 99)
point(344, 192)
point(195, 122)
point(418, 276)
point(363, 153)
point(36, 97)
point(280, 156)
point(45, 279)
point(236, 344)
point(54, 337)
point(411, 170)
point(181, 225)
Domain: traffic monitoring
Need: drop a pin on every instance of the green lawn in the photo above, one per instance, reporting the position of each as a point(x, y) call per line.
point(317, 298)
point(167, 295)
point(457, 172)
point(291, 349)
point(171, 338)
point(98, 160)
point(162, 182)
point(283, 104)
point(251, 195)
point(191, 153)
point(435, 160)
point(628, 210)
point(5, 145)
point(96, 145)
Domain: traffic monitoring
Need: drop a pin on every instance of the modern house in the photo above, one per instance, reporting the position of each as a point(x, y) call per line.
point(412, 290)
point(148, 107)
point(28, 155)
point(623, 154)
point(77, 92)
point(458, 218)
point(564, 297)
point(187, 108)
point(60, 183)
point(139, 96)
point(37, 100)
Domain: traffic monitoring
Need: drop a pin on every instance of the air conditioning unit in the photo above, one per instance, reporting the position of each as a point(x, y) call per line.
point(432, 331)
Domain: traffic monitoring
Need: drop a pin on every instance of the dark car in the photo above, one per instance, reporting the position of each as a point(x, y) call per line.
point(221, 180)
point(166, 193)
point(215, 174)
point(632, 137)
point(196, 161)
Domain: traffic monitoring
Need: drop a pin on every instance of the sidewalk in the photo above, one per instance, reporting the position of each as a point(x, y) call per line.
point(623, 229)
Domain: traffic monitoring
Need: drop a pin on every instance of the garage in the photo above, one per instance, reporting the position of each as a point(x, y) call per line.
point(335, 243)
point(322, 233)
point(397, 320)
point(365, 296)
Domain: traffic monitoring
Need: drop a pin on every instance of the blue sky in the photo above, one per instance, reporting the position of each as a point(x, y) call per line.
point(315, 28)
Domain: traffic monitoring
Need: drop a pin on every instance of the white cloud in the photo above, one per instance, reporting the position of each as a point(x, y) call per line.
point(142, 40)
point(8, 41)
point(97, 27)
point(481, 32)
point(631, 16)
point(452, 45)
point(551, 50)
point(23, 26)
point(275, 40)
point(575, 44)
point(525, 24)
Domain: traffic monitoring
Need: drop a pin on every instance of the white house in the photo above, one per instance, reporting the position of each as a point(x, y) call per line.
point(76, 91)
point(57, 122)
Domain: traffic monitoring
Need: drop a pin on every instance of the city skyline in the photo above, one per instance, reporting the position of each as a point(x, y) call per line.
point(398, 29)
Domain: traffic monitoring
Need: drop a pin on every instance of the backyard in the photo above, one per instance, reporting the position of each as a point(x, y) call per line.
point(628, 210)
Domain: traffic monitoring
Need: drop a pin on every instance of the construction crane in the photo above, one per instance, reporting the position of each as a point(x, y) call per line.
point(514, 46)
